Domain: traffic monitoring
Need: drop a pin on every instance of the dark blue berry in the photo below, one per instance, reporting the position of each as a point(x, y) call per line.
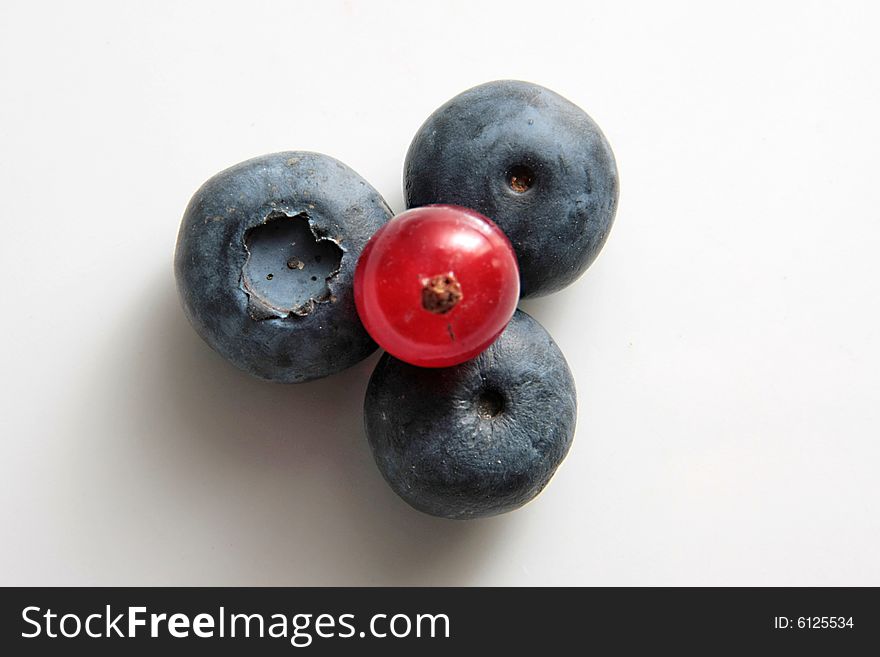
point(480, 438)
point(531, 161)
point(265, 264)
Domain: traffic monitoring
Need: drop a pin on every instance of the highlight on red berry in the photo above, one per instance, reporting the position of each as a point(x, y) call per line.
point(436, 285)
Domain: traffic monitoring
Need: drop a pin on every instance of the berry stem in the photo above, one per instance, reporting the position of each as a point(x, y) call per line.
point(441, 293)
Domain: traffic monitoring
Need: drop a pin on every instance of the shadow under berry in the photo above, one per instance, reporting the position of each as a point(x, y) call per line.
point(215, 477)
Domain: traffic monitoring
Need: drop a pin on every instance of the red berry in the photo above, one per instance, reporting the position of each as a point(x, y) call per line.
point(436, 285)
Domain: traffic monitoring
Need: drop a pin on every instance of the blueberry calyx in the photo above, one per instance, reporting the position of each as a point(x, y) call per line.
point(490, 403)
point(520, 178)
point(289, 266)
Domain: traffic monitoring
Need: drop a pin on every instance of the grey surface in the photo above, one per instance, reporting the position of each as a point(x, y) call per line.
point(314, 338)
point(464, 155)
point(480, 438)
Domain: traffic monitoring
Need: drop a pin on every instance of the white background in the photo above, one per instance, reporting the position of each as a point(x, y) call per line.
point(725, 344)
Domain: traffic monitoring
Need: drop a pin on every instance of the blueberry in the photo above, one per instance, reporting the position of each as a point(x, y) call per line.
point(530, 160)
point(480, 438)
point(265, 263)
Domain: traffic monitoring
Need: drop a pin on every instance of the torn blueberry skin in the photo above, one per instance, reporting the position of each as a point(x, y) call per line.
point(480, 438)
point(265, 264)
point(531, 161)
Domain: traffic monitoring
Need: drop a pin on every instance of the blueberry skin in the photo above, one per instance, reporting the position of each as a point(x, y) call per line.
point(467, 152)
point(341, 209)
point(480, 438)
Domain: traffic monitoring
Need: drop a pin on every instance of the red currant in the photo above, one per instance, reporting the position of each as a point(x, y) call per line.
point(436, 285)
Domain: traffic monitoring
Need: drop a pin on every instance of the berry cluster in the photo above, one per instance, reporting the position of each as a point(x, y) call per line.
point(292, 267)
